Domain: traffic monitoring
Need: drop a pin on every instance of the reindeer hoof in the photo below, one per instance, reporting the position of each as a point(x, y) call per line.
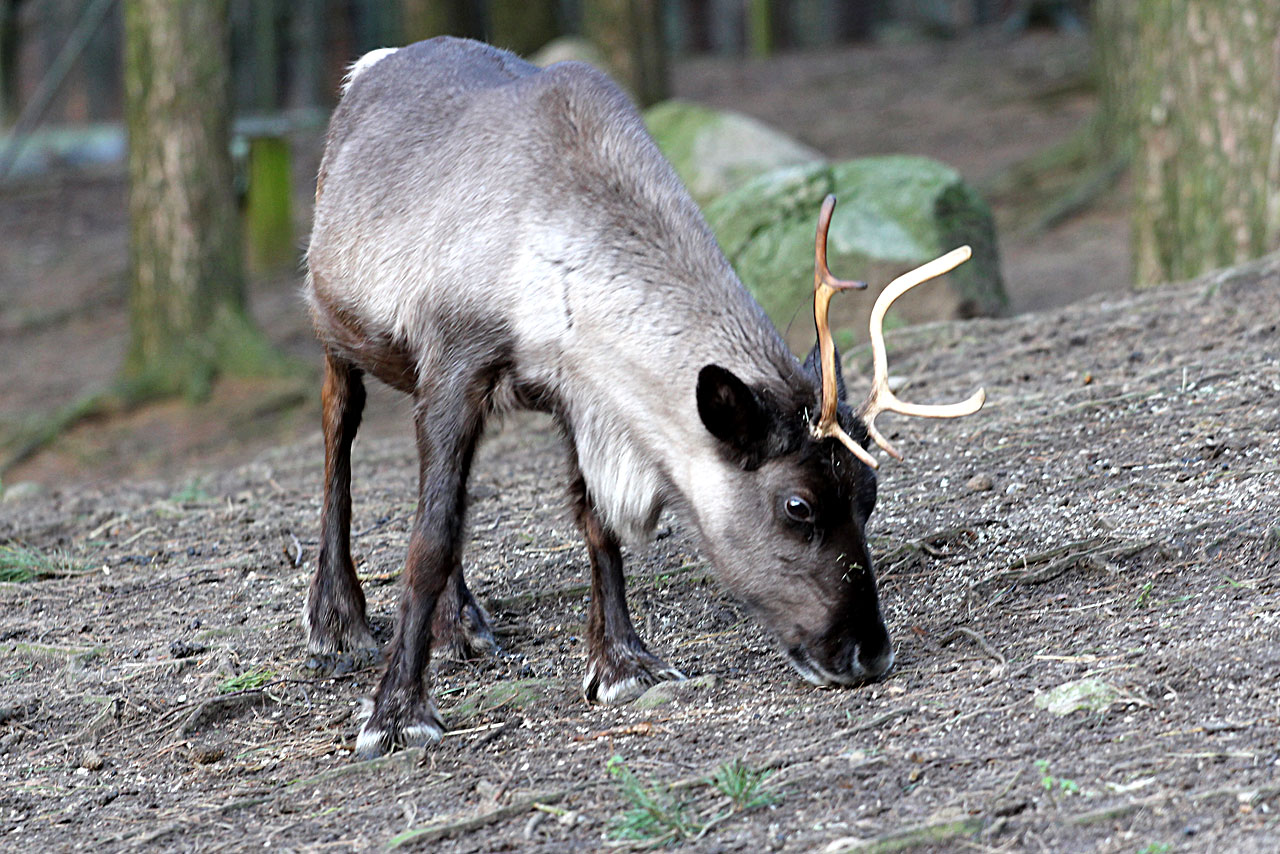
point(321, 664)
point(624, 673)
point(382, 734)
point(334, 629)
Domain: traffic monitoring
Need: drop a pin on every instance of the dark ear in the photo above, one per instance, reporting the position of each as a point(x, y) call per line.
point(734, 414)
point(813, 367)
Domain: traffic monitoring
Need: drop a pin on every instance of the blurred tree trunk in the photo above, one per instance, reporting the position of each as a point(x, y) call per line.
point(186, 293)
point(1115, 49)
point(266, 55)
point(1207, 111)
point(424, 19)
point(9, 41)
point(522, 26)
point(102, 69)
point(306, 77)
point(629, 33)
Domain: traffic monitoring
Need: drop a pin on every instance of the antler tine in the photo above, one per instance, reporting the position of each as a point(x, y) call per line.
point(824, 286)
point(821, 272)
point(881, 399)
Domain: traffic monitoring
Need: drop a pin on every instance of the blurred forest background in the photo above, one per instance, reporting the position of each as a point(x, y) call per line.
point(157, 161)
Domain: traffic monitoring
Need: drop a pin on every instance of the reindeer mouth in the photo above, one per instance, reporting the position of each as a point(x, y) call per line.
point(816, 674)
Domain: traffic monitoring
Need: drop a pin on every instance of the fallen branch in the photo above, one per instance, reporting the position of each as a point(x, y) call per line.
point(912, 837)
point(1082, 193)
point(1250, 794)
point(444, 830)
point(976, 638)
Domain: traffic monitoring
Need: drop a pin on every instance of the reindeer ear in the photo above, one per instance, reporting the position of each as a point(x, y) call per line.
point(813, 367)
point(735, 414)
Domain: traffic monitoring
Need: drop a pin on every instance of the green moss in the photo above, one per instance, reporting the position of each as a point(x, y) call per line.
point(515, 694)
point(894, 212)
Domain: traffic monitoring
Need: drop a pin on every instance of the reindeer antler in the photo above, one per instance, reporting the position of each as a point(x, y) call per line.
point(824, 286)
point(881, 399)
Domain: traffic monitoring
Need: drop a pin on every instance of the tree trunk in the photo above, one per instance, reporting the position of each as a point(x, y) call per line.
point(424, 19)
point(1207, 108)
point(522, 26)
point(306, 57)
point(1115, 48)
point(9, 42)
point(187, 308)
point(629, 33)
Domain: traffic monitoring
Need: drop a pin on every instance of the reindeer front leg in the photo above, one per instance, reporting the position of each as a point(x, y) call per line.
point(619, 665)
point(448, 420)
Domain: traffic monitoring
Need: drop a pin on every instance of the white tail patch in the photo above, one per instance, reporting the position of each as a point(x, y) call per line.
point(363, 64)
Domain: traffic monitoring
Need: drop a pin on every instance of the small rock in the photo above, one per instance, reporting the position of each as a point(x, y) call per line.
point(23, 490)
point(91, 761)
point(1087, 695)
point(665, 692)
point(184, 649)
point(207, 754)
point(980, 483)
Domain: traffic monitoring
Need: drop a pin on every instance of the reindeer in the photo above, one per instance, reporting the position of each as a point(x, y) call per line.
point(489, 236)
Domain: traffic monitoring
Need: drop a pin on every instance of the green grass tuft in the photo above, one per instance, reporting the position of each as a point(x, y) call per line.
point(246, 681)
point(666, 814)
point(657, 814)
point(23, 563)
point(741, 784)
point(192, 492)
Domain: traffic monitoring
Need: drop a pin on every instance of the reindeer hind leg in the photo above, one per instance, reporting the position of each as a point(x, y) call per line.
point(460, 629)
point(334, 614)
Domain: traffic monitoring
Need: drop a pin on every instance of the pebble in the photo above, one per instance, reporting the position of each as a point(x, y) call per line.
point(665, 692)
point(21, 491)
point(91, 761)
point(206, 754)
point(980, 483)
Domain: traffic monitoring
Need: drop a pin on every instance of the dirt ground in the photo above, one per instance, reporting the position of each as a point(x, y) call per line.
point(1106, 526)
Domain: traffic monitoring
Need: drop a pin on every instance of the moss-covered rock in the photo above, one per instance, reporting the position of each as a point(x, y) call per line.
point(715, 152)
point(571, 49)
point(894, 213)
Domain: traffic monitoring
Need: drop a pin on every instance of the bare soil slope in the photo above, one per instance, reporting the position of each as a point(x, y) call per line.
point(1128, 544)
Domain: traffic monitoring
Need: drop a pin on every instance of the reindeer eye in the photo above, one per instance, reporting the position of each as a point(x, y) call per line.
point(798, 510)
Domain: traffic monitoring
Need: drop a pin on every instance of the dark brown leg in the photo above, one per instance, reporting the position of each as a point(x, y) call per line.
point(619, 666)
point(334, 614)
point(448, 420)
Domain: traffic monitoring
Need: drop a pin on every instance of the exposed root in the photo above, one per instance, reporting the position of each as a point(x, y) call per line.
point(976, 638)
